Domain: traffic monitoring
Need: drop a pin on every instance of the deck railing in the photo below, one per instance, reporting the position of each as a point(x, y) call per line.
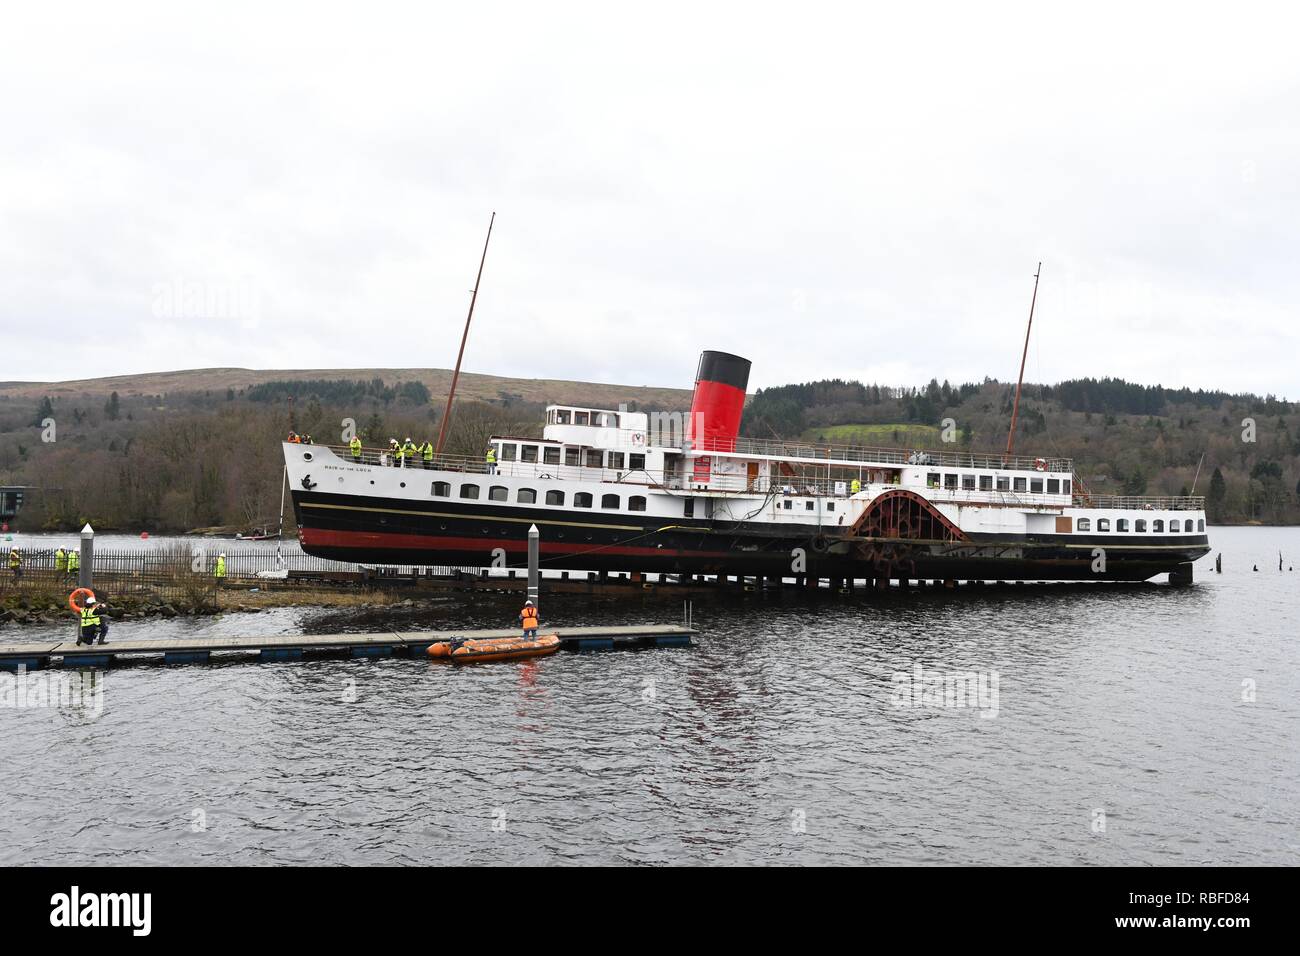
point(1142, 502)
point(780, 448)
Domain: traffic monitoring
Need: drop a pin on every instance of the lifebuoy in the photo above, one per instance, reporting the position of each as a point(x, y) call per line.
point(1040, 464)
point(820, 544)
point(72, 598)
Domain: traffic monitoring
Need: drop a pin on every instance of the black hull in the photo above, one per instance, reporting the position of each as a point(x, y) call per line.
point(480, 534)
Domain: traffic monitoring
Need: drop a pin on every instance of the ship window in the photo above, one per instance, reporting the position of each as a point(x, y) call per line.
point(932, 480)
point(551, 455)
point(636, 503)
point(807, 506)
point(1053, 486)
point(498, 493)
point(1065, 486)
point(508, 451)
point(526, 496)
point(580, 418)
point(441, 489)
point(950, 482)
point(636, 462)
point(561, 416)
point(1103, 524)
point(1036, 485)
point(571, 457)
point(1173, 526)
point(609, 501)
point(1188, 526)
point(1004, 483)
point(1121, 524)
point(555, 497)
point(1083, 524)
point(1200, 525)
point(582, 499)
point(616, 460)
point(968, 482)
point(469, 491)
point(527, 452)
point(593, 458)
point(1018, 484)
point(1157, 525)
point(787, 504)
point(688, 508)
point(986, 482)
point(1140, 525)
point(830, 506)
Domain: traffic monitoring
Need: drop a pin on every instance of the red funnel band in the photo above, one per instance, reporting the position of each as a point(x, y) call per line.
point(719, 402)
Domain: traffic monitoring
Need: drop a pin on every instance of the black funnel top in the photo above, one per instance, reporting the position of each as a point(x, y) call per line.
point(723, 368)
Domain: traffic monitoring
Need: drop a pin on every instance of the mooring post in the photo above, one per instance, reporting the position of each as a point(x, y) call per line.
point(85, 575)
point(534, 547)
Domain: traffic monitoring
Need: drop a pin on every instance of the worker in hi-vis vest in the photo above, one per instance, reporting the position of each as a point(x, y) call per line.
point(491, 459)
point(428, 454)
point(61, 561)
point(355, 447)
point(219, 570)
point(855, 486)
point(93, 624)
point(528, 619)
point(74, 561)
point(15, 563)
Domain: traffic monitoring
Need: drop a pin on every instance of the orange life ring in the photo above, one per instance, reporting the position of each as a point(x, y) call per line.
point(1040, 464)
point(72, 599)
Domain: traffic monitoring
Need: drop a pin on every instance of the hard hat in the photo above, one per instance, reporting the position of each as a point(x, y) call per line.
point(89, 601)
point(408, 437)
point(222, 555)
point(529, 601)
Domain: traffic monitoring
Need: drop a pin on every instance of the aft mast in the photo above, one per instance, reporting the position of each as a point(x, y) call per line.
point(1015, 408)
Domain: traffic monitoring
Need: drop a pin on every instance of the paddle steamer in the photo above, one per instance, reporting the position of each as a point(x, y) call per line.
point(618, 490)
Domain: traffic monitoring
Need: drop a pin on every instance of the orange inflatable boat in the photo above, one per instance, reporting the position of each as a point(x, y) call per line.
point(495, 649)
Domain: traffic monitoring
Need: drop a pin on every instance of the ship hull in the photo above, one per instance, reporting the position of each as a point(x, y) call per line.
point(395, 531)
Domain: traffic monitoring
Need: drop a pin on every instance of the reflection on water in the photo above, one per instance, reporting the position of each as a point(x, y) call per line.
point(776, 739)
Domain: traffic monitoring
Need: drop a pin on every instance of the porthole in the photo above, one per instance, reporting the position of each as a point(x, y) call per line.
point(403, 484)
point(306, 456)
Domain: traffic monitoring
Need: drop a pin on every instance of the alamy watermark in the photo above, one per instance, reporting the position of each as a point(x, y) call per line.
point(920, 687)
point(81, 690)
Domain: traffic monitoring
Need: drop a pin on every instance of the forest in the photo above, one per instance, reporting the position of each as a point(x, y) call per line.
point(210, 457)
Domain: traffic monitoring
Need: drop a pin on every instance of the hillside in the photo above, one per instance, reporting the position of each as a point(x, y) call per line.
point(472, 385)
point(171, 451)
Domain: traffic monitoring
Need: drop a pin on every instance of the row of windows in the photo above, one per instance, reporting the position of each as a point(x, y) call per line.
point(787, 504)
point(1037, 486)
point(527, 496)
point(1140, 525)
point(565, 416)
point(573, 456)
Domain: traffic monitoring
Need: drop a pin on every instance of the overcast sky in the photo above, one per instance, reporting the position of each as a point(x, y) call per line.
point(830, 191)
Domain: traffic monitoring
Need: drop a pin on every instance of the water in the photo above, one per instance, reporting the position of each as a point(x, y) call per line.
point(776, 740)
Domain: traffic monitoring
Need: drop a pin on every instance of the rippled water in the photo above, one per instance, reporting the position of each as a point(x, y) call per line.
point(777, 739)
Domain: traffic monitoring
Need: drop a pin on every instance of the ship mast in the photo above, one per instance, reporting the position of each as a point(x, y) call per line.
point(1015, 408)
point(455, 375)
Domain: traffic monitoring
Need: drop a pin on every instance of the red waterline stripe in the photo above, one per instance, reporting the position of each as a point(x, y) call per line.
point(321, 538)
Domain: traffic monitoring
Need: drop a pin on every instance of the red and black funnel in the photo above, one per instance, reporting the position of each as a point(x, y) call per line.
point(719, 401)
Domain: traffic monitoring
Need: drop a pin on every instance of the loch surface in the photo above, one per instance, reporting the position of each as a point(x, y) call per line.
point(1109, 724)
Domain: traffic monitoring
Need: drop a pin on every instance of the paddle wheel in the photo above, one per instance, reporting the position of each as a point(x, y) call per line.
point(897, 527)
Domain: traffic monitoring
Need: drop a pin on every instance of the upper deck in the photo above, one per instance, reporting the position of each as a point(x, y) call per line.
point(875, 455)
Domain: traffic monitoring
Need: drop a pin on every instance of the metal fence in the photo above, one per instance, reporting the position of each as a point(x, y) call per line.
point(186, 571)
point(163, 575)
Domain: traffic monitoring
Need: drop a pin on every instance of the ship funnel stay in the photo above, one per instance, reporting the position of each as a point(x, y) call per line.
point(719, 401)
